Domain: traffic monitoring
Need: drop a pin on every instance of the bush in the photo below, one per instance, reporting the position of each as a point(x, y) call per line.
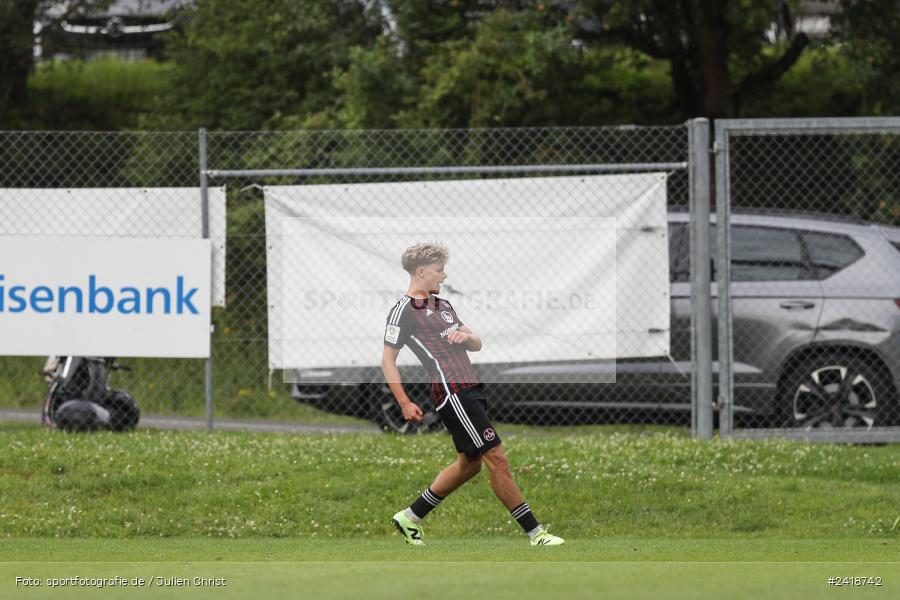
point(100, 95)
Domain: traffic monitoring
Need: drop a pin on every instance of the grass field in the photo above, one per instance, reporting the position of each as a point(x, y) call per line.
point(447, 568)
point(646, 515)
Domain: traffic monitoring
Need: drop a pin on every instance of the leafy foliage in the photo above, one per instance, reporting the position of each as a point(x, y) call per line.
point(717, 51)
point(520, 72)
point(277, 64)
point(244, 63)
point(101, 95)
point(870, 36)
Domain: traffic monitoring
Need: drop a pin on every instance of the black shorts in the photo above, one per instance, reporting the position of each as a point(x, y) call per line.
point(464, 414)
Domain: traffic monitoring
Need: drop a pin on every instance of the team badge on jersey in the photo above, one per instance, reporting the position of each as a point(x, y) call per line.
point(428, 312)
point(391, 333)
point(446, 316)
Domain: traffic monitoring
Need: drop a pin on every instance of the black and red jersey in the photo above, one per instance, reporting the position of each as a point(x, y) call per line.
point(424, 325)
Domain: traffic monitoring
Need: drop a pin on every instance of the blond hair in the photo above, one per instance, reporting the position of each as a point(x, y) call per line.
point(422, 255)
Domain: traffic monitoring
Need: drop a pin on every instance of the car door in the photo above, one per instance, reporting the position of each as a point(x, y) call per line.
point(777, 302)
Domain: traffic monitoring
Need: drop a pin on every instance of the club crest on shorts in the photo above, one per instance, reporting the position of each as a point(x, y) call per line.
point(489, 434)
point(446, 316)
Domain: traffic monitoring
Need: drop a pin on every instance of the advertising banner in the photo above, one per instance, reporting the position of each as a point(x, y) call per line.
point(544, 269)
point(130, 297)
point(119, 212)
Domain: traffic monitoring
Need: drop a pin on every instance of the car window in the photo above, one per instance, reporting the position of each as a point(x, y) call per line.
point(679, 267)
point(830, 253)
point(765, 254)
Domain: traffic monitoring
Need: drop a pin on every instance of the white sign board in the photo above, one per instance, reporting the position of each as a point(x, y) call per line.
point(119, 212)
point(536, 288)
point(544, 269)
point(129, 297)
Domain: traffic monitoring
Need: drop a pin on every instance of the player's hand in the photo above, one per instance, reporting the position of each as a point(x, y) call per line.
point(412, 412)
point(458, 337)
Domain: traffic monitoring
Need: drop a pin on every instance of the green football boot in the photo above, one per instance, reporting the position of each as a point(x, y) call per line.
point(412, 532)
point(542, 538)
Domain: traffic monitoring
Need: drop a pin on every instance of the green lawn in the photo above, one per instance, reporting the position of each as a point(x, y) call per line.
point(391, 548)
point(585, 482)
point(448, 568)
point(647, 514)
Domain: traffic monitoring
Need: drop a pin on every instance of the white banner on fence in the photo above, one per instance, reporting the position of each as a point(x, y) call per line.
point(333, 256)
point(118, 212)
point(100, 296)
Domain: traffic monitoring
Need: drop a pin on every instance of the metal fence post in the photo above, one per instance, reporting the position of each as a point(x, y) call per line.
point(204, 199)
point(723, 284)
point(701, 319)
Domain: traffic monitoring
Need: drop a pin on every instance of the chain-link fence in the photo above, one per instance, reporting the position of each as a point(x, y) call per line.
point(813, 347)
point(338, 175)
point(558, 174)
point(806, 332)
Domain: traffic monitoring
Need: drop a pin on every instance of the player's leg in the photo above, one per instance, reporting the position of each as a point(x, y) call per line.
point(409, 520)
point(455, 475)
point(501, 479)
point(507, 491)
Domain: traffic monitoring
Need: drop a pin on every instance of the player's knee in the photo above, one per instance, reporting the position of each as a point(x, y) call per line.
point(496, 460)
point(469, 467)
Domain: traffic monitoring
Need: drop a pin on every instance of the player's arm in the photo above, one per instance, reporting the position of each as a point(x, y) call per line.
point(464, 335)
point(411, 411)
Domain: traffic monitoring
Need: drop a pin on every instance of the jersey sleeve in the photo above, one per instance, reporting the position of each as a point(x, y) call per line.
point(397, 327)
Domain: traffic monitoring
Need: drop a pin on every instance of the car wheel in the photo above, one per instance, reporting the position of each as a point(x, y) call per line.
point(836, 391)
point(389, 417)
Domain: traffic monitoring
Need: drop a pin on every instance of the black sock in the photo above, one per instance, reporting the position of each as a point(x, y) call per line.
point(522, 513)
point(425, 503)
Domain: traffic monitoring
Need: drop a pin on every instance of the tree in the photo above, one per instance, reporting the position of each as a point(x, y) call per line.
point(869, 36)
point(521, 69)
point(16, 43)
point(417, 26)
point(18, 19)
point(376, 87)
point(245, 64)
point(717, 50)
point(505, 68)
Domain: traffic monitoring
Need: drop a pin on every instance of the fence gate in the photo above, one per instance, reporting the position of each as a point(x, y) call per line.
point(809, 327)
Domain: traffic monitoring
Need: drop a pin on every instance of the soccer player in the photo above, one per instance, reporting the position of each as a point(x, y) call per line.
point(433, 331)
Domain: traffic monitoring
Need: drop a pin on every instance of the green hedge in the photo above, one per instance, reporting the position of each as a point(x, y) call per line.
point(100, 95)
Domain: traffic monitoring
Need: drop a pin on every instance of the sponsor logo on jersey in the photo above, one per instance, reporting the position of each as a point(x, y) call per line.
point(449, 330)
point(446, 316)
point(489, 434)
point(392, 334)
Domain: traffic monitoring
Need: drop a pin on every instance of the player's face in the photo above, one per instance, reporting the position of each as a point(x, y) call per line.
point(433, 276)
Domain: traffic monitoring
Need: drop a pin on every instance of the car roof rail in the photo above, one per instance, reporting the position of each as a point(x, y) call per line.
point(785, 212)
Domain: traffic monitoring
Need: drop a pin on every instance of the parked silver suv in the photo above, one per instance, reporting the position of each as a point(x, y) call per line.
point(816, 323)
